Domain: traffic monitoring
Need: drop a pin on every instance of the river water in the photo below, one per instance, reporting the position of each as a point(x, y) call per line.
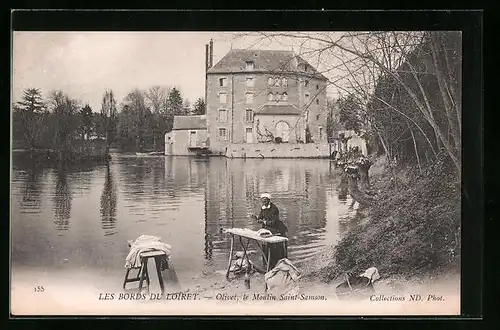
point(77, 220)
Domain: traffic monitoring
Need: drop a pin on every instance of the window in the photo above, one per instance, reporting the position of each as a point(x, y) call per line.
point(321, 133)
point(270, 81)
point(303, 67)
point(223, 82)
point(317, 117)
point(284, 97)
point(284, 82)
point(277, 82)
point(317, 101)
point(307, 97)
point(250, 82)
point(249, 98)
point(222, 133)
point(248, 135)
point(249, 115)
point(270, 97)
point(306, 83)
point(222, 97)
point(249, 65)
point(317, 87)
point(222, 115)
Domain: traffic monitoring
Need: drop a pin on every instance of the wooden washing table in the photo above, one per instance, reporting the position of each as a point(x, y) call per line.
point(248, 235)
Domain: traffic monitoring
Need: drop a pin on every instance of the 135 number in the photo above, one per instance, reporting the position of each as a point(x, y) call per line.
point(39, 288)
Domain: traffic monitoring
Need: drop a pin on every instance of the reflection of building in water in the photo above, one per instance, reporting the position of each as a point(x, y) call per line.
point(184, 172)
point(315, 207)
point(62, 201)
point(209, 233)
point(297, 188)
point(220, 194)
point(108, 203)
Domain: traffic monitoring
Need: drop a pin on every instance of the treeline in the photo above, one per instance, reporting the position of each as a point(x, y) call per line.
point(414, 111)
point(404, 95)
point(59, 122)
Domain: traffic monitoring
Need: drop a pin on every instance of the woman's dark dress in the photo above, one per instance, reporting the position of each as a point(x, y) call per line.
point(277, 227)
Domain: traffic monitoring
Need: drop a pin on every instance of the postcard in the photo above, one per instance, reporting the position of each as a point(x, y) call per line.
point(236, 173)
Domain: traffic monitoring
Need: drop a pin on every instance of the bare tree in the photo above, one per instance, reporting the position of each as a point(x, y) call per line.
point(64, 110)
point(357, 62)
point(157, 101)
point(139, 115)
point(109, 114)
point(156, 98)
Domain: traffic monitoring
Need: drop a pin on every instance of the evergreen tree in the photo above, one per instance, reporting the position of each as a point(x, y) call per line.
point(30, 112)
point(199, 107)
point(175, 103)
point(86, 122)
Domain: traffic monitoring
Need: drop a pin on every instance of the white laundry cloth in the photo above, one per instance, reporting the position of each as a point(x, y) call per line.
point(145, 243)
point(371, 273)
point(241, 265)
point(282, 278)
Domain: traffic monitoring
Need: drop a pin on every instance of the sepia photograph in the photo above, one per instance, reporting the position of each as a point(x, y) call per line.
point(236, 173)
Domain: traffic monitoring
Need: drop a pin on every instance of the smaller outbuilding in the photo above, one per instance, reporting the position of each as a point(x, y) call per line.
point(188, 136)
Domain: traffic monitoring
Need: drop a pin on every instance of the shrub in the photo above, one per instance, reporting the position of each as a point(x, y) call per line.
point(414, 227)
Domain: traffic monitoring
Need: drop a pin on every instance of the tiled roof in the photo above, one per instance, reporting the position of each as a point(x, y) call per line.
point(274, 109)
point(264, 61)
point(190, 122)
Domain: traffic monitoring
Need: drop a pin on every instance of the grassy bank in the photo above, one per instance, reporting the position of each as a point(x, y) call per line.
point(412, 230)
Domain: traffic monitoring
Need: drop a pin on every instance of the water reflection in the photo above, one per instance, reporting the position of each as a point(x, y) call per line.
point(184, 200)
point(108, 203)
point(32, 190)
point(62, 200)
point(297, 188)
point(343, 188)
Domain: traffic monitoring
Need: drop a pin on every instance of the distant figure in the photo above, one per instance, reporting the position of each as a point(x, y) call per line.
point(269, 218)
point(364, 165)
point(343, 186)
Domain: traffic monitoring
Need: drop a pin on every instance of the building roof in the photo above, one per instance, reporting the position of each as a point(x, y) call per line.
point(283, 61)
point(190, 122)
point(275, 109)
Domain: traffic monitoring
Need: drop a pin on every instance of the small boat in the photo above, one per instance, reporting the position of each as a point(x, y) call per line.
point(153, 153)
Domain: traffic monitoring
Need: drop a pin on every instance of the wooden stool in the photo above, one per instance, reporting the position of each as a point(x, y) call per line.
point(143, 274)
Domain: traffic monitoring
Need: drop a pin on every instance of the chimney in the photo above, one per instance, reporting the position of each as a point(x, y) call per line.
point(206, 58)
point(206, 74)
point(211, 62)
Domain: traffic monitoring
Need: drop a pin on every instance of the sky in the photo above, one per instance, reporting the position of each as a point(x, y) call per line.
point(85, 64)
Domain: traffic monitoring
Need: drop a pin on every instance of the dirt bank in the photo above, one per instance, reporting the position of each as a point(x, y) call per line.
point(411, 233)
